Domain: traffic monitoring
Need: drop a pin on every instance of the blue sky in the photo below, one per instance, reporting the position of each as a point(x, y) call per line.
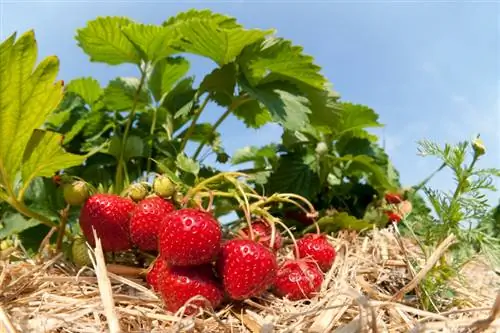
point(431, 70)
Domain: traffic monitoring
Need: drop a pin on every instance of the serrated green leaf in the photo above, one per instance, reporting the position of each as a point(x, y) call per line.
point(86, 87)
point(27, 96)
point(295, 173)
point(341, 221)
point(44, 156)
point(253, 114)
point(14, 223)
point(289, 110)
point(275, 59)
point(135, 147)
point(353, 118)
point(120, 94)
point(365, 164)
point(187, 164)
point(250, 153)
point(204, 34)
point(155, 42)
point(222, 21)
point(220, 83)
point(165, 74)
point(104, 41)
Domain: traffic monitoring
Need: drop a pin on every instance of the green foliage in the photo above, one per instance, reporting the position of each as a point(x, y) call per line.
point(132, 127)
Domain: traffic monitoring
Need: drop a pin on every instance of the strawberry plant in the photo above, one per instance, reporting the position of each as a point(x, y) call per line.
point(113, 138)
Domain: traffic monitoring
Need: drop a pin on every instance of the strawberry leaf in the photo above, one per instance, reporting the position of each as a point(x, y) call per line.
point(187, 164)
point(220, 83)
point(87, 88)
point(286, 109)
point(296, 173)
point(104, 41)
point(275, 59)
point(249, 154)
point(165, 74)
point(14, 223)
point(353, 119)
point(44, 156)
point(120, 94)
point(27, 96)
point(154, 42)
point(212, 35)
point(341, 221)
point(253, 114)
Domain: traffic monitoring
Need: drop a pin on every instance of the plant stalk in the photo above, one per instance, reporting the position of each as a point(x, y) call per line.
point(151, 132)
point(121, 162)
point(62, 227)
point(21, 208)
point(238, 102)
point(190, 130)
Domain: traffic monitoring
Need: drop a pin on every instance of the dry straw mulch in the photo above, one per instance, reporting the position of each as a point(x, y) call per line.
point(365, 291)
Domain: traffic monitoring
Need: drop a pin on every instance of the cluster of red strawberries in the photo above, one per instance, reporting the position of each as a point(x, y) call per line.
point(195, 262)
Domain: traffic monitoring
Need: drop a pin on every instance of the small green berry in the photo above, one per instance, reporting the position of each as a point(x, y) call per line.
point(80, 253)
point(163, 187)
point(137, 191)
point(76, 193)
point(321, 148)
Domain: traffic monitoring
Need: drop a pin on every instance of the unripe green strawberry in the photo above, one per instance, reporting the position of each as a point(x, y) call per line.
point(163, 187)
point(76, 192)
point(79, 253)
point(137, 191)
point(321, 148)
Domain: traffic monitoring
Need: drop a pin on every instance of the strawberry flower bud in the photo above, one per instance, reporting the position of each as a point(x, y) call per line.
point(478, 146)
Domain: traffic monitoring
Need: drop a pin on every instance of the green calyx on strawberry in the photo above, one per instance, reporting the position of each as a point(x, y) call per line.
point(317, 248)
point(76, 192)
point(156, 269)
point(247, 268)
point(164, 187)
point(189, 237)
point(109, 215)
point(298, 279)
point(177, 285)
point(262, 231)
point(147, 220)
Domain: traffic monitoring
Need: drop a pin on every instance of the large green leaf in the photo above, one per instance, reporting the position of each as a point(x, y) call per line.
point(253, 114)
point(251, 153)
point(44, 156)
point(287, 109)
point(87, 88)
point(220, 83)
point(365, 165)
point(121, 92)
point(153, 41)
point(27, 96)
point(187, 164)
point(354, 119)
point(14, 223)
point(165, 74)
point(210, 35)
point(222, 21)
point(296, 173)
point(275, 59)
point(104, 41)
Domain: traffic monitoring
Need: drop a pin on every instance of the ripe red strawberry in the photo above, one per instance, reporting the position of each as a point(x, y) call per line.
point(109, 214)
point(189, 237)
point(393, 217)
point(298, 279)
point(262, 233)
point(247, 268)
point(146, 222)
point(156, 269)
point(393, 198)
point(179, 284)
point(317, 248)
